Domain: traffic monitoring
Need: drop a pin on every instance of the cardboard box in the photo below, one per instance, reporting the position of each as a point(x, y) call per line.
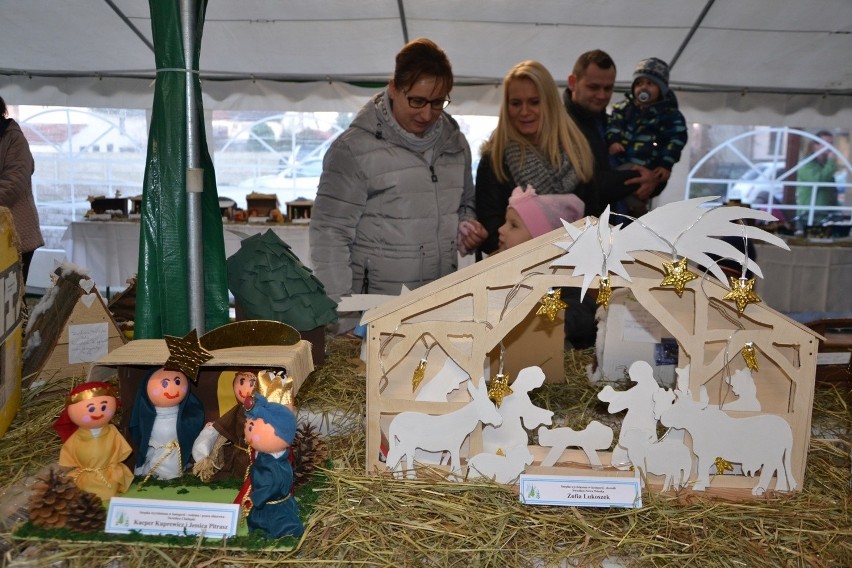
point(11, 321)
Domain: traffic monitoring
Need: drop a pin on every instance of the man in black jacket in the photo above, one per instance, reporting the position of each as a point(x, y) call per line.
point(589, 91)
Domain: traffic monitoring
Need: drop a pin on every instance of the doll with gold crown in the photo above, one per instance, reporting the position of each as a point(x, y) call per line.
point(92, 447)
point(270, 428)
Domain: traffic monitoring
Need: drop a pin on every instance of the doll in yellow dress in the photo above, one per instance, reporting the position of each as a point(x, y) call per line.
point(92, 447)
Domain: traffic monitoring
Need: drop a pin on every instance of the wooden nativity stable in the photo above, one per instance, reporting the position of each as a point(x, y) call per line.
point(430, 351)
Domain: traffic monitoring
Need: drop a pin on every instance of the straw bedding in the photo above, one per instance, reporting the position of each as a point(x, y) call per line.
point(378, 521)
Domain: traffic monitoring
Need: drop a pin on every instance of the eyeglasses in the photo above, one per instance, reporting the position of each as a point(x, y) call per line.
point(420, 102)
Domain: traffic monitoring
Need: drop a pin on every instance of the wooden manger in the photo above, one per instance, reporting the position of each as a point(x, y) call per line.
point(439, 336)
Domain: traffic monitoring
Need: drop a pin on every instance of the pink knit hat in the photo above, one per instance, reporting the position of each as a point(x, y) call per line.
point(542, 213)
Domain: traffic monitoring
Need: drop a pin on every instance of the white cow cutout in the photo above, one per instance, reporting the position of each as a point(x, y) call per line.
point(595, 436)
point(639, 403)
point(518, 412)
point(501, 469)
point(410, 431)
point(759, 443)
point(669, 456)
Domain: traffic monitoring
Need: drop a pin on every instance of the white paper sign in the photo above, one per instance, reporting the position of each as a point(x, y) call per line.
point(575, 491)
point(156, 516)
point(834, 358)
point(87, 342)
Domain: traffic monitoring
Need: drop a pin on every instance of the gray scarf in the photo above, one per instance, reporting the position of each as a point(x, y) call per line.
point(539, 173)
point(412, 142)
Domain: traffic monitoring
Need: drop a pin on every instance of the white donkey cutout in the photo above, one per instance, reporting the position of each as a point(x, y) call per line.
point(763, 442)
point(515, 408)
point(410, 430)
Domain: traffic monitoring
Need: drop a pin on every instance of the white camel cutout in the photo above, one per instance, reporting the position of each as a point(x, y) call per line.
point(518, 412)
point(669, 457)
point(501, 469)
point(759, 443)
point(639, 403)
point(596, 436)
point(410, 430)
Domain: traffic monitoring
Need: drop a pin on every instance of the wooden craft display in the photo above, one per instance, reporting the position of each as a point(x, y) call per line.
point(450, 331)
point(69, 329)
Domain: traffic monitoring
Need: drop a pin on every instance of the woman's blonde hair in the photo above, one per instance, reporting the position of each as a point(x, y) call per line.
point(557, 131)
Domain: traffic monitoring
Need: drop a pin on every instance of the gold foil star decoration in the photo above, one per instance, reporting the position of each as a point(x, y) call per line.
point(604, 292)
point(722, 465)
point(551, 303)
point(499, 389)
point(750, 356)
point(419, 373)
point(186, 354)
point(742, 292)
point(677, 275)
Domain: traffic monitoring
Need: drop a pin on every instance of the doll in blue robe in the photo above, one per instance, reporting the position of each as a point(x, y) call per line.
point(269, 431)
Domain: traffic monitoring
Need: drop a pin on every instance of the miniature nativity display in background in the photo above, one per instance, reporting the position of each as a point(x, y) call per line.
point(737, 420)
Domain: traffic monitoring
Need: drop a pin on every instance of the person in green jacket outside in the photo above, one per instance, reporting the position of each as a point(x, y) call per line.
point(819, 170)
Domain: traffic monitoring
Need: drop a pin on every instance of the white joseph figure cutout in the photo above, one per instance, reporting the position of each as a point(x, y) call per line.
point(639, 403)
point(410, 431)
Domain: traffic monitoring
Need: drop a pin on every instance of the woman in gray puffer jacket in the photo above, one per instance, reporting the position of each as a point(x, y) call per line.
point(396, 198)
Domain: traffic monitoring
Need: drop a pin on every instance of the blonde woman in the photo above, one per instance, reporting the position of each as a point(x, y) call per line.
point(535, 143)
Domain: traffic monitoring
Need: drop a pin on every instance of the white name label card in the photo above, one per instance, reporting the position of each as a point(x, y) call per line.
point(155, 516)
point(575, 491)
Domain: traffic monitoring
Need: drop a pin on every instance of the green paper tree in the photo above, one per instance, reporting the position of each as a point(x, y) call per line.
point(270, 282)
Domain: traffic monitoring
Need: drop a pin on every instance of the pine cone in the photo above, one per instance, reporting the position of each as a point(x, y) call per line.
point(309, 452)
point(87, 513)
point(51, 499)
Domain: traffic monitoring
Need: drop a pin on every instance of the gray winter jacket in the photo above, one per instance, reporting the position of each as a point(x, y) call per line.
point(384, 215)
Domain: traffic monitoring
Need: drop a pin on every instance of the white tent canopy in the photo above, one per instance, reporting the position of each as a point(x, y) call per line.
point(733, 61)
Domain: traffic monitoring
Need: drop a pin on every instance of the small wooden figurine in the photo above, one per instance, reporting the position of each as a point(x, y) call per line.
point(270, 428)
point(166, 420)
point(92, 446)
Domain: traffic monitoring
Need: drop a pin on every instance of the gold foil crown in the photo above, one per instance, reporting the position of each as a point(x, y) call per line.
point(275, 387)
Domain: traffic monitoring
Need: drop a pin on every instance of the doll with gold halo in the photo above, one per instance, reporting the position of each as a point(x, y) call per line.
point(93, 447)
point(270, 428)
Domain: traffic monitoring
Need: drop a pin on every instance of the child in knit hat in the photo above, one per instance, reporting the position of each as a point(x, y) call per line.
point(530, 215)
point(646, 128)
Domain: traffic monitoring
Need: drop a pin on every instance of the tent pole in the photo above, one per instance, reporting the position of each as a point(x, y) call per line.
point(194, 173)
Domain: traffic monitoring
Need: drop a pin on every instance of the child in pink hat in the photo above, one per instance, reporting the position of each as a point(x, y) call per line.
point(530, 215)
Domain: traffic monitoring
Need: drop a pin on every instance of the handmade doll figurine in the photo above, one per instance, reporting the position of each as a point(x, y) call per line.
point(270, 429)
point(165, 421)
point(220, 451)
point(93, 447)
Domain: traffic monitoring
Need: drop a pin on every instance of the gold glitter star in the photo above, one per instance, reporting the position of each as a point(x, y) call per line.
point(551, 303)
point(742, 293)
point(604, 292)
point(677, 275)
point(186, 354)
point(499, 389)
point(722, 465)
point(750, 356)
point(419, 373)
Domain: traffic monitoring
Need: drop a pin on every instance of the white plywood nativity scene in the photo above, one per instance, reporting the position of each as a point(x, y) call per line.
point(736, 421)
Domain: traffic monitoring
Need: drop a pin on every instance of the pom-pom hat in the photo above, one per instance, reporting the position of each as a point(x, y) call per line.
point(656, 70)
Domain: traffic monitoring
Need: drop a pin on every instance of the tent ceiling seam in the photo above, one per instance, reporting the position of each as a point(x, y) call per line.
point(691, 33)
point(130, 24)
